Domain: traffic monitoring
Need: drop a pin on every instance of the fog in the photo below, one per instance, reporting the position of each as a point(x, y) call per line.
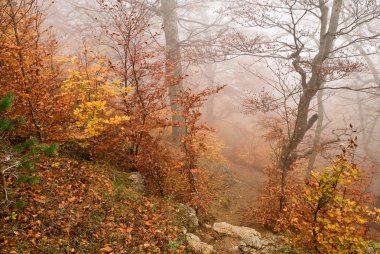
point(225, 43)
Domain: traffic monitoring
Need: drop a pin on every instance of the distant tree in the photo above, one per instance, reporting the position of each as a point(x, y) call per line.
point(173, 68)
point(201, 36)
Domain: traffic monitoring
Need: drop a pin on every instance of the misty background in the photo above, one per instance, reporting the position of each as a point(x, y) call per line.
point(207, 32)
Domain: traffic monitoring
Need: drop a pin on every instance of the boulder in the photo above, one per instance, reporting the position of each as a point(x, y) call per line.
point(250, 250)
point(197, 245)
point(189, 215)
point(137, 182)
point(250, 238)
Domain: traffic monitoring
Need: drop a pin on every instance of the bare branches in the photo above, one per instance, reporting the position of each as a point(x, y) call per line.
point(291, 29)
point(3, 173)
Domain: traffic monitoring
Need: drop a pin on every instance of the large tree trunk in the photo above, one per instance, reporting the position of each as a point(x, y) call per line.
point(174, 73)
point(317, 136)
point(288, 155)
point(328, 29)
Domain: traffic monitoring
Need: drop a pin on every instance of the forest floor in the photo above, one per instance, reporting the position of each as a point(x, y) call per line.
point(240, 194)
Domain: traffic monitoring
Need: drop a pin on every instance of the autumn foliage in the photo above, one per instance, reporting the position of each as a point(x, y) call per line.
point(30, 71)
point(79, 208)
point(329, 213)
point(100, 105)
point(111, 106)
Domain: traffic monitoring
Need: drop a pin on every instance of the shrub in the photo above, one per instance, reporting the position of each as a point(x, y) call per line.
point(331, 215)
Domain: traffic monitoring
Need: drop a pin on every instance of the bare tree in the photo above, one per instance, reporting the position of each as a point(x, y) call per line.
point(305, 64)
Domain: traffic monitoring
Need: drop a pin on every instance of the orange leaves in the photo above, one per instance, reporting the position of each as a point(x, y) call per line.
point(33, 235)
point(193, 142)
point(125, 230)
point(29, 70)
point(106, 249)
point(148, 223)
point(74, 209)
point(40, 199)
point(72, 199)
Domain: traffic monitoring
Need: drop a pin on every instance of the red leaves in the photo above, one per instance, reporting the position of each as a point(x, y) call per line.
point(192, 142)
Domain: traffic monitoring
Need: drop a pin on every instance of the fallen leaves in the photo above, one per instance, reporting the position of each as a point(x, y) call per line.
point(39, 199)
point(72, 199)
point(76, 208)
point(106, 249)
point(149, 223)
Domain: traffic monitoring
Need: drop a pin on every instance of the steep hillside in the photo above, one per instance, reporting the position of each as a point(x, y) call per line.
point(84, 207)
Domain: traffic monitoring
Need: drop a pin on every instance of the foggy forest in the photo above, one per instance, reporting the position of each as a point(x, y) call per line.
point(189, 126)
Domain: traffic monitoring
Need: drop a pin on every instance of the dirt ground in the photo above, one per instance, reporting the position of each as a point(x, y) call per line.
point(240, 194)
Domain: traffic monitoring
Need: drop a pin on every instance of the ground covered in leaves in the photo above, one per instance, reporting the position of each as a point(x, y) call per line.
point(81, 207)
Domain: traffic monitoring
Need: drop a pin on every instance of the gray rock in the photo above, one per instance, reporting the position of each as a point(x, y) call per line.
point(370, 250)
point(137, 182)
point(251, 250)
point(197, 245)
point(189, 215)
point(250, 238)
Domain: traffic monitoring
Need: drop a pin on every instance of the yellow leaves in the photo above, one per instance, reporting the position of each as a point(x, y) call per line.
point(87, 115)
point(332, 215)
point(91, 117)
point(376, 212)
point(116, 120)
point(361, 220)
point(95, 85)
point(55, 165)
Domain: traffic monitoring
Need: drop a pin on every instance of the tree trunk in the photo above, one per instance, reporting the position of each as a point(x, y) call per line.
point(309, 90)
point(174, 75)
point(317, 136)
point(210, 104)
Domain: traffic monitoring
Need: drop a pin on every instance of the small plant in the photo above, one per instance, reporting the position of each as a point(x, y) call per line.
point(12, 216)
point(173, 245)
